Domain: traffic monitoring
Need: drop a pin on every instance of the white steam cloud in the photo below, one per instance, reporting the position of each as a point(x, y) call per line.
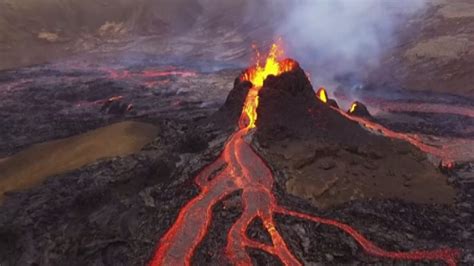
point(334, 38)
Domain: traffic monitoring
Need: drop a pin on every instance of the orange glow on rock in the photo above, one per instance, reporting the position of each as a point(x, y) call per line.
point(322, 95)
point(240, 168)
point(411, 138)
point(257, 76)
point(115, 98)
point(353, 108)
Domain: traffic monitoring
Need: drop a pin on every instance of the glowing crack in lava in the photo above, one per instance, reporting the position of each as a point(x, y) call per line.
point(246, 171)
point(119, 74)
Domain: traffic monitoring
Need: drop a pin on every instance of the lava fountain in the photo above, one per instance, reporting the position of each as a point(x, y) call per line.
point(246, 171)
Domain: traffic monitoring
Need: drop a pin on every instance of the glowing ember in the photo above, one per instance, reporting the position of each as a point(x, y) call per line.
point(115, 98)
point(322, 95)
point(353, 108)
point(448, 164)
point(245, 171)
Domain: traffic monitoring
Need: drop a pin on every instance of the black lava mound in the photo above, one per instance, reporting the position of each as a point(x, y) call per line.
point(359, 109)
point(288, 107)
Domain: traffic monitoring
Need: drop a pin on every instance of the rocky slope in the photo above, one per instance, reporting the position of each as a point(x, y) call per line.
point(435, 52)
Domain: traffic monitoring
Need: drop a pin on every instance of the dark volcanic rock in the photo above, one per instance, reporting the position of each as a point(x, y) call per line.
point(116, 107)
point(333, 103)
point(114, 212)
point(359, 109)
point(229, 114)
point(109, 213)
point(48, 102)
point(329, 159)
point(288, 109)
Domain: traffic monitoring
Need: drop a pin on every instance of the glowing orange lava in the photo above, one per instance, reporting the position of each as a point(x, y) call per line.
point(246, 171)
point(353, 108)
point(115, 98)
point(322, 95)
point(257, 75)
point(413, 139)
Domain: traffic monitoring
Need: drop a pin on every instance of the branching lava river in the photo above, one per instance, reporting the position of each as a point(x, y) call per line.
point(245, 171)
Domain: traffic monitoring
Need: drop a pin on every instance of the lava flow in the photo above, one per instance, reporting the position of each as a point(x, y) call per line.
point(122, 74)
point(441, 153)
point(246, 171)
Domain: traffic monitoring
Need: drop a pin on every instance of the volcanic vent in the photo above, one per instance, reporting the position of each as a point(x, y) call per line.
point(302, 136)
point(329, 159)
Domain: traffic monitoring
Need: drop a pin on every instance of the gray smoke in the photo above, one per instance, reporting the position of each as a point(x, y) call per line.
point(337, 38)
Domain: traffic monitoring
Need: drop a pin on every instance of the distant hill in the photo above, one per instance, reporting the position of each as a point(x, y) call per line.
point(435, 50)
point(436, 53)
point(34, 31)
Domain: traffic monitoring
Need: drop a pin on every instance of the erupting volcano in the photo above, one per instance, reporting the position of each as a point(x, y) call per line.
point(239, 132)
point(240, 168)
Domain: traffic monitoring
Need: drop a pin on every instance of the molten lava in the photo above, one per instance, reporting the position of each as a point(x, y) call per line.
point(353, 108)
point(412, 139)
point(257, 75)
point(322, 95)
point(245, 171)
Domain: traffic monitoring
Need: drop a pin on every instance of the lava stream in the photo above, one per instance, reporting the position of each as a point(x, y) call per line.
point(119, 74)
point(444, 154)
point(246, 171)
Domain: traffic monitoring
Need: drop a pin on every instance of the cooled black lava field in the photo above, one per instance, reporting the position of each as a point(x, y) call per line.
point(118, 208)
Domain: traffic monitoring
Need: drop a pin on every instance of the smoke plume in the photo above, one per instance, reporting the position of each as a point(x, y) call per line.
point(344, 39)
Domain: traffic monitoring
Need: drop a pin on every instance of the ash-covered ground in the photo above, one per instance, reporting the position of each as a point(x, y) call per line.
point(113, 211)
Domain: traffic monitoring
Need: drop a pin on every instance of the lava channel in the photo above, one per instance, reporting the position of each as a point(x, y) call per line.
point(413, 139)
point(247, 172)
